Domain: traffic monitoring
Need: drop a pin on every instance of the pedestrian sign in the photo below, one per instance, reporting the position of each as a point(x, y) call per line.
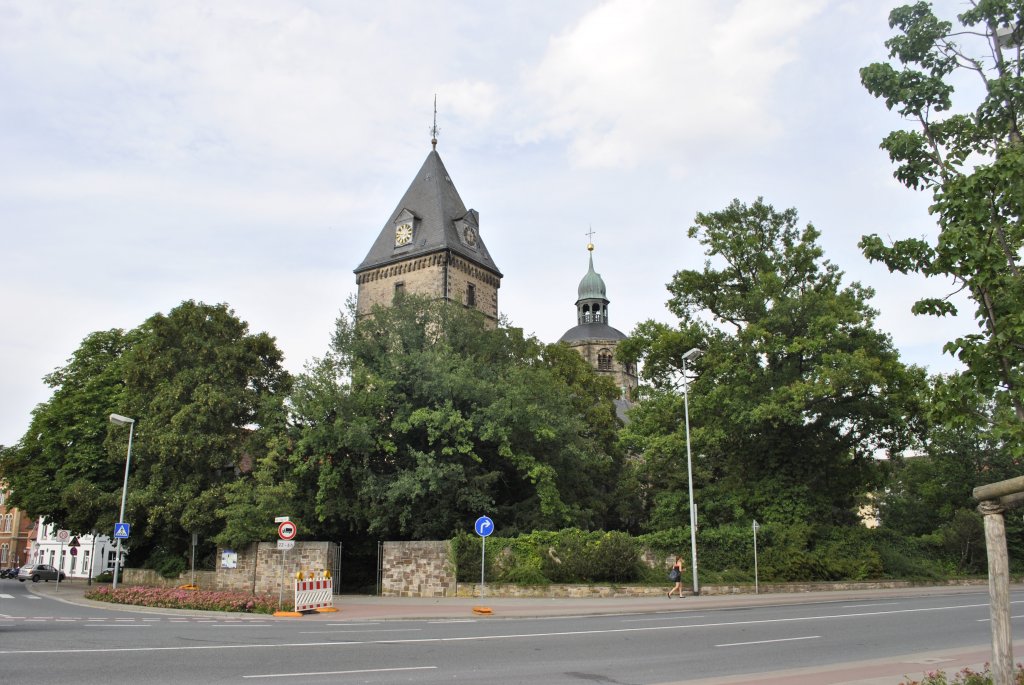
point(122, 531)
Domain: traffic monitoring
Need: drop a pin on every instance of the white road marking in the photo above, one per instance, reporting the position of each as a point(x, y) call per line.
point(477, 638)
point(378, 630)
point(240, 625)
point(674, 617)
point(982, 620)
point(114, 625)
point(5, 596)
point(375, 623)
point(765, 642)
point(366, 670)
point(874, 604)
point(449, 620)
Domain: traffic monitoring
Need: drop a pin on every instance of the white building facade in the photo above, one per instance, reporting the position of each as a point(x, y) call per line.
point(93, 555)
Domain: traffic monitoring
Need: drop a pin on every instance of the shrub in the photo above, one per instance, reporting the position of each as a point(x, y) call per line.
point(166, 563)
point(964, 677)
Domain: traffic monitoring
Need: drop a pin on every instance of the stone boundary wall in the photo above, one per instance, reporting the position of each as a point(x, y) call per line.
point(264, 569)
point(566, 591)
point(206, 580)
point(417, 569)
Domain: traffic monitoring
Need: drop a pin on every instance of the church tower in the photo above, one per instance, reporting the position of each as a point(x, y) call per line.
point(593, 338)
point(430, 245)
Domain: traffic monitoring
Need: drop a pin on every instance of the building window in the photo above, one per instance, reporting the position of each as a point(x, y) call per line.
point(5, 525)
point(3, 498)
point(604, 360)
point(470, 295)
point(399, 291)
point(5, 552)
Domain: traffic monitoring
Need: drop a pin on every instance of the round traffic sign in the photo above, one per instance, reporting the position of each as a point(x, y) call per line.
point(484, 526)
point(287, 530)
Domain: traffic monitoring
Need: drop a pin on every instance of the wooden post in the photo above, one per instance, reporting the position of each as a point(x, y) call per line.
point(998, 592)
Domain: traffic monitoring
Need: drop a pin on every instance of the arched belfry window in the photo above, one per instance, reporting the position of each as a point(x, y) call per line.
point(604, 360)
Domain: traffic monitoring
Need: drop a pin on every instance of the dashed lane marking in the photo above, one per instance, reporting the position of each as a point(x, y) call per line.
point(365, 670)
point(765, 642)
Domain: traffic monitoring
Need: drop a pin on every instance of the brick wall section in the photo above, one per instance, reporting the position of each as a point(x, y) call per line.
point(206, 580)
point(417, 569)
point(262, 569)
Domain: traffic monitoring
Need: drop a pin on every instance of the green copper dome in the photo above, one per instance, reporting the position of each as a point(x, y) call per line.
point(592, 285)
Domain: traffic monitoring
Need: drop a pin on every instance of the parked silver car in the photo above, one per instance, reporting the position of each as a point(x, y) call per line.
point(37, 572)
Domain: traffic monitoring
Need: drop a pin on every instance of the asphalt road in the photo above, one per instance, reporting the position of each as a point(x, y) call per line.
point(44, 640)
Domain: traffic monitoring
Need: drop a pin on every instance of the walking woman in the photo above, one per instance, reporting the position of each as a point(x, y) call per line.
point(676, 576)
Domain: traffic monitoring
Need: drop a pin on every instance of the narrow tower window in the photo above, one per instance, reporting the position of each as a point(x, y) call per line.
point(470, 295)
point(399, 290)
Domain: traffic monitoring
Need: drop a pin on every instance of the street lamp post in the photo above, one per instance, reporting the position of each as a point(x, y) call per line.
point(123, 421)
point(689, 357)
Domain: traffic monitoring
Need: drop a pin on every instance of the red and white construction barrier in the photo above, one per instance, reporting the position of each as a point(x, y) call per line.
point(315, 593)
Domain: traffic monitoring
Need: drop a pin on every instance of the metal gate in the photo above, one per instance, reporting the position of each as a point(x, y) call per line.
point(334, 559)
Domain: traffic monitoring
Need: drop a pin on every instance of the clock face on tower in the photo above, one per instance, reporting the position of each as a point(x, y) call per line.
point(470, 235)
point(403, 234)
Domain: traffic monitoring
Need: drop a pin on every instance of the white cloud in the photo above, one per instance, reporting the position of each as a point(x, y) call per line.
point(635, 80)
point(249, 151)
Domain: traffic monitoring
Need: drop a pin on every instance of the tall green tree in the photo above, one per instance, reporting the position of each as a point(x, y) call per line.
point(797, 392)
point(208, 400)
point(422, 417)
point(62, 468)
point(208, 397)
point(969, 155)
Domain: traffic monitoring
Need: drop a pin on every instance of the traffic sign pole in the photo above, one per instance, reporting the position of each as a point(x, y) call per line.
point(484, 526)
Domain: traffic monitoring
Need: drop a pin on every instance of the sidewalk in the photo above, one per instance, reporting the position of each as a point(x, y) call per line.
point(873, 672)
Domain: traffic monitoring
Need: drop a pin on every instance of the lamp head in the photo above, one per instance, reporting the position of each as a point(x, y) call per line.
point(692, 354)
point(121, 420)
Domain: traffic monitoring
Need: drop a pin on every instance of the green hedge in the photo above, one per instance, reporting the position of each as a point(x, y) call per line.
point(794, 553)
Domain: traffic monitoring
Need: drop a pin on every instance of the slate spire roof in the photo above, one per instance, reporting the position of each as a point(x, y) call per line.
point(440, 222)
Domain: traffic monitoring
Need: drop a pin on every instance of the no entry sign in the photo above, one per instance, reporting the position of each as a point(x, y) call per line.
point(287, 530)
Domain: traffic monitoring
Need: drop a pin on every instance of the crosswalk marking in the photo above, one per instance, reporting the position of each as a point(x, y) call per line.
point(4, 596)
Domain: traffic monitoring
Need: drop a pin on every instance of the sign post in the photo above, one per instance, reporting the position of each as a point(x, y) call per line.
point(195, 541)
point(484, 526)
point(755, 557)
point(287, 532)
point(63, 536)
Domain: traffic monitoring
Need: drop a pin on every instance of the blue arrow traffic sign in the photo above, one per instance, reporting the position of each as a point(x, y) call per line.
point(484, 526)
point(122, 531)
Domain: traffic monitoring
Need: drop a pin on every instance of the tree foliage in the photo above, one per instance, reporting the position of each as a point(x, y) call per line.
point(972, 161)
point(421, 418)
point(795, 395)
point(63, 467)
point(207, 397)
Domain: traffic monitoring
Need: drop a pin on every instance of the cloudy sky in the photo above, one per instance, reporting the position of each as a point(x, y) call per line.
point(249, 152)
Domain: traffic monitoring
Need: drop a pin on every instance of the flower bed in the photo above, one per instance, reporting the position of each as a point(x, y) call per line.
point(174, 598)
